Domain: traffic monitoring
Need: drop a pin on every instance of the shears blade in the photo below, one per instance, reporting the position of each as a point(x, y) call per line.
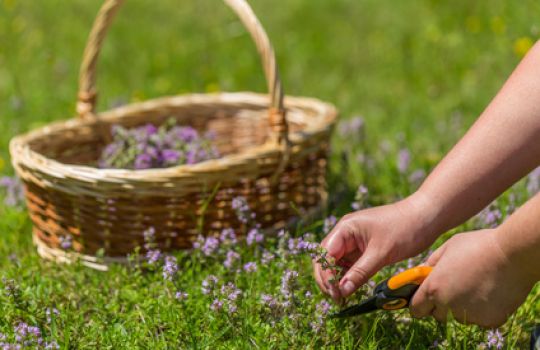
point(364, 307)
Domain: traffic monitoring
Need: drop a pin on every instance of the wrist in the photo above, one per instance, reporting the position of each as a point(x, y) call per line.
point(427, 215)
point(520, 254)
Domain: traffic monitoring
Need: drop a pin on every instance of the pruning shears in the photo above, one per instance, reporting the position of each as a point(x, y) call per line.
point(391, 294)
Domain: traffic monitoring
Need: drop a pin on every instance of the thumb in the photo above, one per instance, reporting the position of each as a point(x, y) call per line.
point(365, 267)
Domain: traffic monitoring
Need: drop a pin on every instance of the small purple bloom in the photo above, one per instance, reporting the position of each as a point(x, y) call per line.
point(254, 236)
point(404, 160)
point(228, 236)
point(50, 312)
point(211, 244)
point(267, 257)
point(250, 267)
point(181, 295)
point(187, 134)
point(288, 283)
point(150, 129)
point(170, 156)
point(323, 308)
point(231, 258)
point(14, 190)
point(217, 305)
point(153, 256)
point(269, 301)
point(241, 207)
point(329, 223)
point(66, 242)
point(533, 182)
point(495, 339)
point(170, 268)
point(417, 177)
point(143, 161)
point(208, 284)
point(149, 235)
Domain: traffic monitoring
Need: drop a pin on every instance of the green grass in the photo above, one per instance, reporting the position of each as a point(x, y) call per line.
point(419, 72)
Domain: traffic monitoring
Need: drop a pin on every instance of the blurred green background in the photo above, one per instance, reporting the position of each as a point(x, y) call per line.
point(409, 67)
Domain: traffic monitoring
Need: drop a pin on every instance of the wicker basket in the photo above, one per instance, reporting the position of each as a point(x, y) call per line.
point(272, 155)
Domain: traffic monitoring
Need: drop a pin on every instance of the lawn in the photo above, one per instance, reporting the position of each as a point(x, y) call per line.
point(418, 73)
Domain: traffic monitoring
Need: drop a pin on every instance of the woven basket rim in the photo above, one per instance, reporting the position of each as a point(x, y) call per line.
point(21, 152)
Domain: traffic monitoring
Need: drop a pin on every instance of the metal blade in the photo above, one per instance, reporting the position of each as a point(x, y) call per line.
point(366, 306)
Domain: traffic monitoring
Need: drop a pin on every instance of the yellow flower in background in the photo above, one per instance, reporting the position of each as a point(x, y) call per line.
point(138, 96)
point(473, 24)
point(522, 45)
point(212, 87)
point(9, 4)
point(498, 26)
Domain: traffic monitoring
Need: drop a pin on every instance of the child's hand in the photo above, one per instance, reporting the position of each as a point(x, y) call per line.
point(372, 238)
point(473, 279)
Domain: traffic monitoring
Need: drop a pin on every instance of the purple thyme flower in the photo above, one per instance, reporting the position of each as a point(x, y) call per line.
point(404, 160)
point(143, 161)
point(50, 312)
point(211, 244)
point(170, 156)
point(231, 258)
point(216, 305)
point(308, 295)
point(14, 190)
point(198, 242)
point(149, 235)
point(267, 257)
point(187, 134)
point(250, 267)
point(417, 177)
point(230, 291)
point(490, 216)
point(241, 207)
point(323, 308)
point(53, 345)
point(170, 268)
point(495, 339)
point(329, 223)
point(208, 284)
point(288, 283)
point(153, 256)
point(533, 182)
point(228, 236)
point(66, 242)
point(269, 301)
point(360, 198)
point(254, 236)
point(351, 127)
point(181, 296)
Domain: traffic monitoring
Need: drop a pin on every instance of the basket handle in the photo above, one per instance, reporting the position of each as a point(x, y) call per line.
point(87, 96)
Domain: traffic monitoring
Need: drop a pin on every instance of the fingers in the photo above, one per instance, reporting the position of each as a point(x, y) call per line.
point(365, 267)
point(436, 255)
point(425, 301)
point(421, 306)
point(440, 313)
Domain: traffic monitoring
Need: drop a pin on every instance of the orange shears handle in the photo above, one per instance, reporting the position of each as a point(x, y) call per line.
point(416, 275)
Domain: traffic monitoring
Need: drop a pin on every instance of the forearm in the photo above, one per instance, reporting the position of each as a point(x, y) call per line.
point(519, 238)
point(501, 147)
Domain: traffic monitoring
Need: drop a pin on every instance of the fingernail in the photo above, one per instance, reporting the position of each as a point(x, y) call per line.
point(347, 288)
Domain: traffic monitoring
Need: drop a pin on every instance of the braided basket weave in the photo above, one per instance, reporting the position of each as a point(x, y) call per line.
point(274, 153)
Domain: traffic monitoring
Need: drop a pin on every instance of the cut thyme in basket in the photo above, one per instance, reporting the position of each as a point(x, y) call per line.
point(150, 146)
